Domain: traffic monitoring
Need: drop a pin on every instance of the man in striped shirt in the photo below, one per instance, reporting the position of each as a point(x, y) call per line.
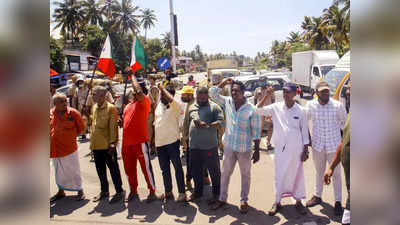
point(243, 125)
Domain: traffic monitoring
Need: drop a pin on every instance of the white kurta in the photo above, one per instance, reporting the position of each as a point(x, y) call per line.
point(289, 137)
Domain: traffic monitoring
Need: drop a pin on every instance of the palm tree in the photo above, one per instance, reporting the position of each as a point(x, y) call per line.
point(336, 27)
point(313, 33)
point(148, 20)
point(294, 37)
point(108, 7)
point(166, 40)
point(68, 15)
point(125, 19)
point(92, 11)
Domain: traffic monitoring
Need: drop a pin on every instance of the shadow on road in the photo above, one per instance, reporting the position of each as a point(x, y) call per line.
point(254, 216)
point(328, 210)
point(66, 206)
point(180, 210)
point(150, 211)
point(104, 208)
point(293, 217)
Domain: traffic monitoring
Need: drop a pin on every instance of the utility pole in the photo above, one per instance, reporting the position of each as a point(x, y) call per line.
point(172, 36)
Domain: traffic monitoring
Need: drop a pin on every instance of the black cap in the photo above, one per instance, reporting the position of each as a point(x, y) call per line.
point(290, 87)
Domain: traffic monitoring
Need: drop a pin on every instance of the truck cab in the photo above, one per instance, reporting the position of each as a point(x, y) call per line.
point(339, 78)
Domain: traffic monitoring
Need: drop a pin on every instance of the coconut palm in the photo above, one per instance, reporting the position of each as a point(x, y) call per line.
point(166, 40)
point(125, 18)
point(294, 37)
point(69, 16)
point(335, 25)
point(148, 20)
point(108, 6)
point(313, 33)
point(92, 11)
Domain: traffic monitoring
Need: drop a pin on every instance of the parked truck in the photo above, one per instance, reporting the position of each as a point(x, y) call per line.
point(309, 67)
point(228, 68)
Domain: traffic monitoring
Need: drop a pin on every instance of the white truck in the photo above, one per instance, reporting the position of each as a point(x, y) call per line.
point(309, 67)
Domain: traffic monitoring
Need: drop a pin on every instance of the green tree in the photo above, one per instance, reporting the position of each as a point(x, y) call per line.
point(94, 40)
point(336, 27)
point(125, 18)
point(166, 40)
point(148, 20)
point(294, 37)
point(57, 56)
point(92, 11)
point(314, 34)
point(108, 6)
point(68, 15)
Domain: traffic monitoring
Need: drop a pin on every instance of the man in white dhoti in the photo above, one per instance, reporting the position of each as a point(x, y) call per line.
point(65, 124)
point(291, 139)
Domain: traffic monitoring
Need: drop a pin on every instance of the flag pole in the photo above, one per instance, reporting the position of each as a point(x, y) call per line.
point(94, 70)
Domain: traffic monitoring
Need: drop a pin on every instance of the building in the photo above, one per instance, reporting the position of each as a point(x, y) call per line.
point(184, 62)
point(78, 60)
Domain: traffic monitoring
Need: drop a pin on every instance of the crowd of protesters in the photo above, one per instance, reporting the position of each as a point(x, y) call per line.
point(218, 121)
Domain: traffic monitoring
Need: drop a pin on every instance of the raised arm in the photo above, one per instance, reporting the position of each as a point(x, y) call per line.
point(137, 88)
point(164, 92)
point(215, 92)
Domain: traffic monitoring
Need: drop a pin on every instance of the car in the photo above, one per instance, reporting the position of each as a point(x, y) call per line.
point(64, 89)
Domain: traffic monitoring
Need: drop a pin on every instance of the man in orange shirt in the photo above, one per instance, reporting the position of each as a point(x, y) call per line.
point(134, 142)
point(65, 124)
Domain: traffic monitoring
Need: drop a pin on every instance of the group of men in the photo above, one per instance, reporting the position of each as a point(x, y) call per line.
point(206, 113)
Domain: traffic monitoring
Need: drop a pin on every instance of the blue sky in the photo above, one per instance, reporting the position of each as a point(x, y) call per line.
point(246, 27)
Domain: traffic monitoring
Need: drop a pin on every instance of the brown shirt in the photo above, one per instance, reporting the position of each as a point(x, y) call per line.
point(104, 126)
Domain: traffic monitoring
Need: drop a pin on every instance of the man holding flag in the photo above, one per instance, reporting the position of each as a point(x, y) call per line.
point(135, 133)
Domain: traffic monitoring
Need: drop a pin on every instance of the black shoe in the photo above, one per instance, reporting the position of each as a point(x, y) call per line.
point(313, 201)
point(193, 197)
point(152, 197)
point(117, 197)
point(300, 208)
point(275, 208)
point(131, 197)
point(167, 196)
point(101, 196)
point(338, 209)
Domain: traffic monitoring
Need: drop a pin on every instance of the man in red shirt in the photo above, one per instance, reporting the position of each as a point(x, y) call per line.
point(65, 124)
point(134, 146)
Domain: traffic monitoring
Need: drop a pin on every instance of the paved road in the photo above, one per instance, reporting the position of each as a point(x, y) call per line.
point(67, 211)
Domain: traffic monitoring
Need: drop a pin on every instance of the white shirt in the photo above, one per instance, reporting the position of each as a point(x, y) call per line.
point(327, 120)
point(166, 123)
point(290, 124)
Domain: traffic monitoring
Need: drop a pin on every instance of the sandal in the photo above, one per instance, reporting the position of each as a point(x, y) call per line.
point(57, 197)
point(81, 196)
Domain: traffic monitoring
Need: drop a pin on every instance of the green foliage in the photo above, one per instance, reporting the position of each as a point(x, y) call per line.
point(56, 56)
point(155, 49)
point(94, 40)
point(330, 31)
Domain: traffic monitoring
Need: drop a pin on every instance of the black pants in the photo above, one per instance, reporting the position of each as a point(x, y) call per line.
point(166, 155)
point(189, 175)
point(206, 159)
point(103, 160)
